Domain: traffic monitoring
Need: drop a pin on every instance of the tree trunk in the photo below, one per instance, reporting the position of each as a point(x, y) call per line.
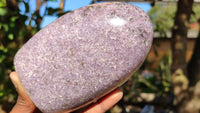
point(179, 46)
point(179, 34)
point(61, 6)
point(37, 13)
point(194, 64)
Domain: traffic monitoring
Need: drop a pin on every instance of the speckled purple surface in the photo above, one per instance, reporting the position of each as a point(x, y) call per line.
point(84, 55)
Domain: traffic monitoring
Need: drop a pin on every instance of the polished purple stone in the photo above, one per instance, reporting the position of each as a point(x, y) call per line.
point(84, 55)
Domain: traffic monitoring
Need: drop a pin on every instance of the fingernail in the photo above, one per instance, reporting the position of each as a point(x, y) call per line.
point(12, 77)
point(118, 93)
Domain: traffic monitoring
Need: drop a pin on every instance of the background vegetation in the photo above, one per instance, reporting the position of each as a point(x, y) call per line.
point(172, 86)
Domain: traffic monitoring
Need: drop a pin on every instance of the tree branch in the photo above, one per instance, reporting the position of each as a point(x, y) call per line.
point(194, 64)
point(61, 6)
point(148, 98)
point(37, 13)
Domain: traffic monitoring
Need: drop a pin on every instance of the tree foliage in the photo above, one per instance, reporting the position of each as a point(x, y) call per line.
point(162, 17)
point(13, 34)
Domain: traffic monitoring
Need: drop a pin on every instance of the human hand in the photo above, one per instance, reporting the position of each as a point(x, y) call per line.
point(25, 105)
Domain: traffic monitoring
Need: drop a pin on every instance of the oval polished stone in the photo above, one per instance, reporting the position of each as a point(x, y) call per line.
point(84, 55)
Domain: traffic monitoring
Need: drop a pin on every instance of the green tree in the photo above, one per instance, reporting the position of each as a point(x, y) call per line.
point(162, 16)
point(185, 75)
point(13, 34)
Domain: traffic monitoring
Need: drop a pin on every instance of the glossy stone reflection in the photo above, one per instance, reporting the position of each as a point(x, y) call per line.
point(84, 55)
point(117, 21)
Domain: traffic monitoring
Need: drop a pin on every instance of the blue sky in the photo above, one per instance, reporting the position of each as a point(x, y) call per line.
point(69, 5)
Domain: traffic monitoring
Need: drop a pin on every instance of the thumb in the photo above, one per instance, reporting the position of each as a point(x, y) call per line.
point(24, 103)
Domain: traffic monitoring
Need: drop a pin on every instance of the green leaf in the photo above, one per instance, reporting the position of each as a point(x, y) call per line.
point(33, 31)
point(52, 11)
point(2, 58)
point(12, 24)
point(3, 11)
point(14, 18)
point(148, 84)
point(2, 3)
point(26, 7)
point(1, 93)
point(5, 26)
point(2, 48)
point(11, 36)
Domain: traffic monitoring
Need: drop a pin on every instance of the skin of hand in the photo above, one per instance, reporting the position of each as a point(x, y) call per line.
point(25, 105)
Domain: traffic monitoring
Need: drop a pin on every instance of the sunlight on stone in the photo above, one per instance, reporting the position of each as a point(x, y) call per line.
point(117, 21)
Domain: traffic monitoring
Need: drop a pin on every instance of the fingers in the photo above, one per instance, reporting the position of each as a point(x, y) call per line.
point(106, 103)
point(24, 103)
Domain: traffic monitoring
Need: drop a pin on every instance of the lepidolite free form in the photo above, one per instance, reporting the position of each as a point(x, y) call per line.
point(84, 55)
